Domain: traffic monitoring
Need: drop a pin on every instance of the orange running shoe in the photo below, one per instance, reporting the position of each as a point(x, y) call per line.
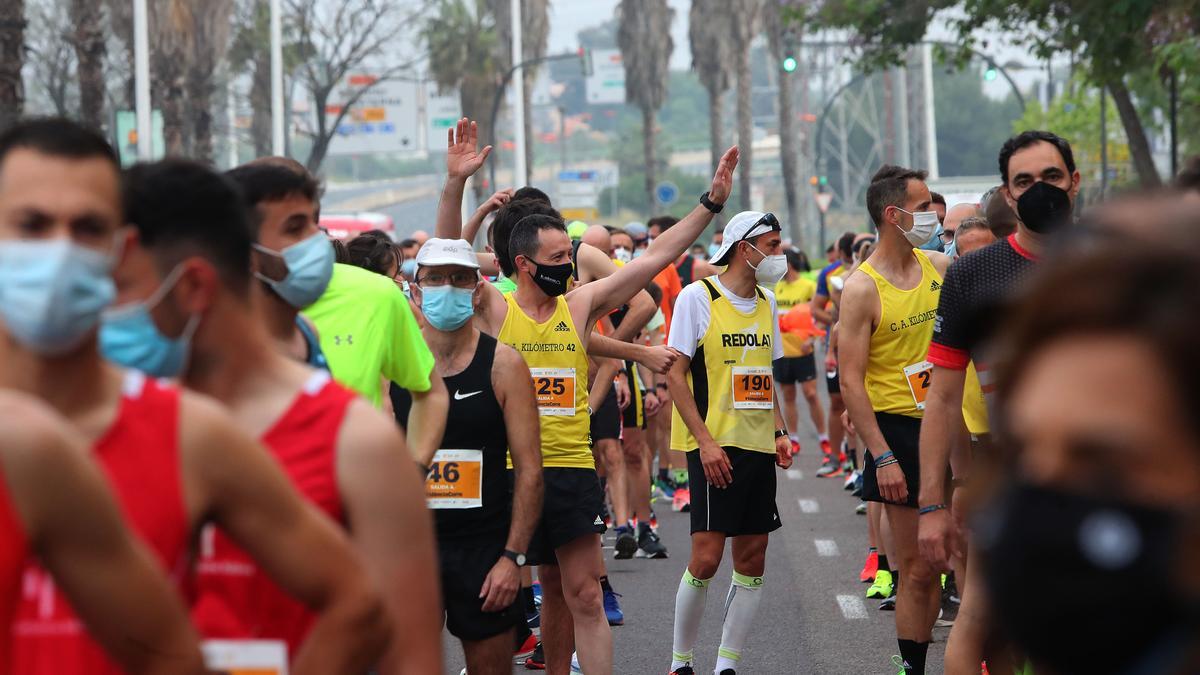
point(870, 567)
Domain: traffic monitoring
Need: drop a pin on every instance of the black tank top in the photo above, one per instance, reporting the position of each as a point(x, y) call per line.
point(685, 270)
point(475, 421)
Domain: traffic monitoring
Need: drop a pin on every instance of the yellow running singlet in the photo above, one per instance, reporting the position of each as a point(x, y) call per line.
point(898, 376)
point(559, 366)
point(974, 407)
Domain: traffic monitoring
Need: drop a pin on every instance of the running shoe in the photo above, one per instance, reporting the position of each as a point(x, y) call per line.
point(683, 670)
point(883, 586)
point(898, 661)
point(525, 649)
point(534, 620)
point(795, 448)
point(851, 480)
point(537, 593)
point(728, 671)
point(870, 567)
point(666, 487)
point(612, 609)
point(861, 509)
point(576, 669)
point(653, 520)
point(626, 544)
point(536, 660)
point(949, 610)
point(649, 545)
point(887, 604)
point(858, 483)
point(682, 503)
point(847, 465)
point(831, 467)
point(826, 448)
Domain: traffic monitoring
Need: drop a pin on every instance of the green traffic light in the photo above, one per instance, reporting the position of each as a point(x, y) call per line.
point(789, 64)
point(989, 74)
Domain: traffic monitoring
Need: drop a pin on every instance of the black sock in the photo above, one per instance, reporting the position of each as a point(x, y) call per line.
point(871, 550)
point(663, 475)
point(883, 562)
point(852, 453)
point(913, 654)
point(527, 596)
point(607, 587)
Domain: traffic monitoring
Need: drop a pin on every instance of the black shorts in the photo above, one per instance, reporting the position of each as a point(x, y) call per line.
point(833, 383)
point(634, 414)
point(606, 420)
point(793, 369)
point(746, 506)
point(571, 508)
point(903, 436)
point(464, 565)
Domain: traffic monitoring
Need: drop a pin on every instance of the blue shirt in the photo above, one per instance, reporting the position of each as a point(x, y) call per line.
point(823, 277)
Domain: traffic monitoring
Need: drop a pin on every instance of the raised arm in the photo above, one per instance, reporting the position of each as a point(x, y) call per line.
point(471, 229)
point(463, 159)
point(607, 294)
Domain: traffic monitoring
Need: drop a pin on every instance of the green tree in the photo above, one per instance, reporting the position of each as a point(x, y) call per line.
point(644, 34)
point(970, 126)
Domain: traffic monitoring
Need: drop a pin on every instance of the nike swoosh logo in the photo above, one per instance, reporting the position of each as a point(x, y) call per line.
point(460, 396)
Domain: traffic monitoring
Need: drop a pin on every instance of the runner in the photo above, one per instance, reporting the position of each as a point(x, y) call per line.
point(483, 531)
point(793, 293)
point(55, 505)
point(887, 313)
point(823, 313)
point(553, 333)
point(726, 330)
point(174, 459)
point(341, 454)
point(1041, 183)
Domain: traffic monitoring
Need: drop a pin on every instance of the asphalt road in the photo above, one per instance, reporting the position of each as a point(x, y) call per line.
point(813, 617)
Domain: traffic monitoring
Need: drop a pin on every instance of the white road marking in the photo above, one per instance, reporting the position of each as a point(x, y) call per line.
point(809, 505)
point(826, 548)
point(852, 607)
point(795, 474)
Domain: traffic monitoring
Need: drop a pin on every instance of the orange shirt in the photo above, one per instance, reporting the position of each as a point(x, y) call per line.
point(668, 281)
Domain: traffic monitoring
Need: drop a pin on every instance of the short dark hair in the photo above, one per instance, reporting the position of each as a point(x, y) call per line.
point(889, 187)
point(404, 243)
point(530, 192)
point(57, 137)
point(524, 238)
point(1189, 176)
point(340, 254)
point(269, 182)
point(796, 260)
point(664, 223)
point(373, 250)
point(183, 208)
point(845, 244)
point(973, 223)
point(506, 220)
point(937, 198)
point(1027, 138)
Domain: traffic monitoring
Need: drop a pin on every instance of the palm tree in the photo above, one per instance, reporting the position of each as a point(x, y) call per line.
point(743, 17)
point(87, 38)
point(211, 27)
point(12, 58)
point(535, 34)
point(461, 38)
point(644, 35)
point(774, 22)
point(711, 59)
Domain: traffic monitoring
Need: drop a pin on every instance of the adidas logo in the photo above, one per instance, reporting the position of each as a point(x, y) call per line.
point(562, 327)
point(935, 286)
point(599, 521)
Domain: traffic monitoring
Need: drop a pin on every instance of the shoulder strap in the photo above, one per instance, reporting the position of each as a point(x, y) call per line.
point(759, 291)
point(575, 258)
point(713, 293)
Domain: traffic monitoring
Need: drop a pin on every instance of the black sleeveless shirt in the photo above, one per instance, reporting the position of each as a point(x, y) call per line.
point(475, 421)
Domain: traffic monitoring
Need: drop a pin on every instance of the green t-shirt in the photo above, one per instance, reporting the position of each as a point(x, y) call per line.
point(368, 332)
point(505, 285)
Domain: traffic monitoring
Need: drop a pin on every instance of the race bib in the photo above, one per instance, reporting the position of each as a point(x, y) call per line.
point(919, 376)
point(455, 480)
point(752, 388)
point(555, 390)
point(246, 657)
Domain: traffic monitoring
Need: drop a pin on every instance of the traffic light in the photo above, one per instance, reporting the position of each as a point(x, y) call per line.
point(789, 63)
point(585, 61)
point(990, 74)
point(824, 180)
point(818, 180)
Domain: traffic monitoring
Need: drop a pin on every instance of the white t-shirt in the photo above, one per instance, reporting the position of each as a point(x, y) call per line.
point(690, 320)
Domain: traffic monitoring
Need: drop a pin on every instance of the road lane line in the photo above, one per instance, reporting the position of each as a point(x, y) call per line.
point(809, 506)
point(826, 548)
point(795, 474)
point(852, 607)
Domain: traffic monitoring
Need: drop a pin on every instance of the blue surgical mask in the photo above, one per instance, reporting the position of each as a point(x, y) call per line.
point(713, 248)
point(446, 307)
point(52, 292)
point(409, 268)
point(129, 337)
point(310, 266)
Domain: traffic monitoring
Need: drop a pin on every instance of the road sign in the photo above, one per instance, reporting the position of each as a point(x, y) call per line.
point(824, 199)
point(385, 119)
point(606, 84)
point(667, 193)
point(441, 114)
point(126, 136)
point(578, 189)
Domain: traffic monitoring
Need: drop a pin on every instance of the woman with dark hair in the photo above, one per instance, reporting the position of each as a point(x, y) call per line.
point(1088, 538)
point(374, 250)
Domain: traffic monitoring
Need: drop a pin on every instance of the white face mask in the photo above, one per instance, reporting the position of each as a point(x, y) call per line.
point(770, 269)
point(622, 254)
point(925, 223)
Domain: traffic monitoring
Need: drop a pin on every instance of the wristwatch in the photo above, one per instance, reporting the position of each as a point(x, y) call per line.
point(708, 204)
point(780, 433)
point(518, 558)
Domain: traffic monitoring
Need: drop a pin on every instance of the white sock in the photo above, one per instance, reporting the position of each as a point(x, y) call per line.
point(794, 438)
point(740, 608)
point(822, 437)
point(689, 609)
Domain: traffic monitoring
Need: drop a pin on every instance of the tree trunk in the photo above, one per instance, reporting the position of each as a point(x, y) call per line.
point(260, 102)
point(200, 95)
point(1139, 145)
point(745, 124)
point(169, 86)
point(90, 51)
point(648, 151)
point(12, 58)
point(715, 121)
point(788, 153)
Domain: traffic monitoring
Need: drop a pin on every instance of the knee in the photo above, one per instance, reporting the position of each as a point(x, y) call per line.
point(916, 571)
point(704, 564)
point(586, 596)
point(789, 393)
point(810, 395)
point(633, 456)
point(613, 455)
point(751, 562)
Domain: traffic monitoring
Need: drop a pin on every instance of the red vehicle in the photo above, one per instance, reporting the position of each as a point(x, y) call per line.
point(346, 226)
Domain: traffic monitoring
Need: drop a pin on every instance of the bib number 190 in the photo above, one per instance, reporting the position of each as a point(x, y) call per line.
point(752, 388)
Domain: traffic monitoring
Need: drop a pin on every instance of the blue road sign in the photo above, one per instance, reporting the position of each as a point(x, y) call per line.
point(667, 193)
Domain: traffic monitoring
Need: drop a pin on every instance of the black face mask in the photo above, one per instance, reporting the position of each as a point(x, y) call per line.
point(552, 279)
point(1044, 208)
point(1085, 584)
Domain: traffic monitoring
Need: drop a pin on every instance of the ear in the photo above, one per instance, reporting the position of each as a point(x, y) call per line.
point(198, 287)
point(1075, 185)
point(124, 241)
point(1008, 198)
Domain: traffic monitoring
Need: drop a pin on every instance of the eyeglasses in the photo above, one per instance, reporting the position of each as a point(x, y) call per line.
point(948, 235)
point(464, 279)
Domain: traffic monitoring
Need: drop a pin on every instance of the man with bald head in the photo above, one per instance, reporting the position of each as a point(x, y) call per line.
point(597, 237)
point(954, 217)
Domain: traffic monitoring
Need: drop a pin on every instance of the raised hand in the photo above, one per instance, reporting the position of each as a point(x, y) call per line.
point(722, 184)
point(463, 157)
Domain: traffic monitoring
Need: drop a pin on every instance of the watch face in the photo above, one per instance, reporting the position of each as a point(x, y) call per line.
point(521, 560)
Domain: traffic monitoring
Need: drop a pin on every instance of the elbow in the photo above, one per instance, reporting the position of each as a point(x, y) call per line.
point(365, 618)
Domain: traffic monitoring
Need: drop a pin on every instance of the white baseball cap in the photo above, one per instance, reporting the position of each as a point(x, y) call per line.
point(745, 225)
point(447, 252)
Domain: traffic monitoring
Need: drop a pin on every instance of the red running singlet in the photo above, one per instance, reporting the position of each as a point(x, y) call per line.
point(13, 551)
point(139, 455)
point(234, 598)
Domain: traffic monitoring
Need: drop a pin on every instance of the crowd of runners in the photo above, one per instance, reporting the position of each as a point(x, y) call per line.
point(230, 438)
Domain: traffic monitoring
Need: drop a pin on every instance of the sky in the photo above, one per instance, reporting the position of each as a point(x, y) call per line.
point(568, 17)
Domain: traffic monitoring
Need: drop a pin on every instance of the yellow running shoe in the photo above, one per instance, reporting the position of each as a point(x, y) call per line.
point(882, 588)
